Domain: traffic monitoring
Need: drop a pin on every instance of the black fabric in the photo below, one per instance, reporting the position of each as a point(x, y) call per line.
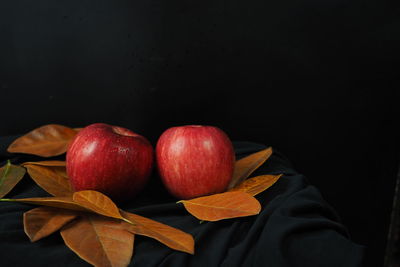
point(296, 227)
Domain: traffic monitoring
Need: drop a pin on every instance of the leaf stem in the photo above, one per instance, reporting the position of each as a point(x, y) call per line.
point(128, 221)
point(125, 219)
point(5, 173)
point(6, 199)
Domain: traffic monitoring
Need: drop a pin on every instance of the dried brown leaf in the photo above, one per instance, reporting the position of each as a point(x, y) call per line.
point(258, 184)
point(46, 141)
point(97, 202)
point(52, 178)
point(101, 241)
point(56, 202)
point(222, 206)
point(88, 200)
point(43, 221)
point(10, 175)
point(246, 166)
point(169, 236)
point(47, 163)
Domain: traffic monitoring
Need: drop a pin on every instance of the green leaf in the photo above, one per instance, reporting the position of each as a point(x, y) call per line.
point(10, 175)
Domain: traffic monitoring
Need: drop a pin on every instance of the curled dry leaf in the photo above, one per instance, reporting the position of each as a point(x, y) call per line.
point(46, 141)
point(59, 167)
point(89, 201)
point(169, 236)
point(10, 175)
point(97, 202)
point(246, 166)
point(43, 221)
point(222, 206)
point(56, 202)
point(52, 178)
point(258, 184)
point(101, 241)
point(47, 163)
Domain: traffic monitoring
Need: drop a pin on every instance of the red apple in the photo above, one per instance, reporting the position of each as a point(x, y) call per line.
point(109, 159)
point(195, 160)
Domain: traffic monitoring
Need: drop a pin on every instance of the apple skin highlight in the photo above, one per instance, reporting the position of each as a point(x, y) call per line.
point(195, 160)
point(110, 159)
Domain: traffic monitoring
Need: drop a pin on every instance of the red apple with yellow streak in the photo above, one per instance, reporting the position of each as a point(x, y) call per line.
point(195, 160)
point(109, 159)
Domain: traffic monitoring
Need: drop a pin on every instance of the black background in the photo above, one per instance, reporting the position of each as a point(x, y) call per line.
point(317, 80)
